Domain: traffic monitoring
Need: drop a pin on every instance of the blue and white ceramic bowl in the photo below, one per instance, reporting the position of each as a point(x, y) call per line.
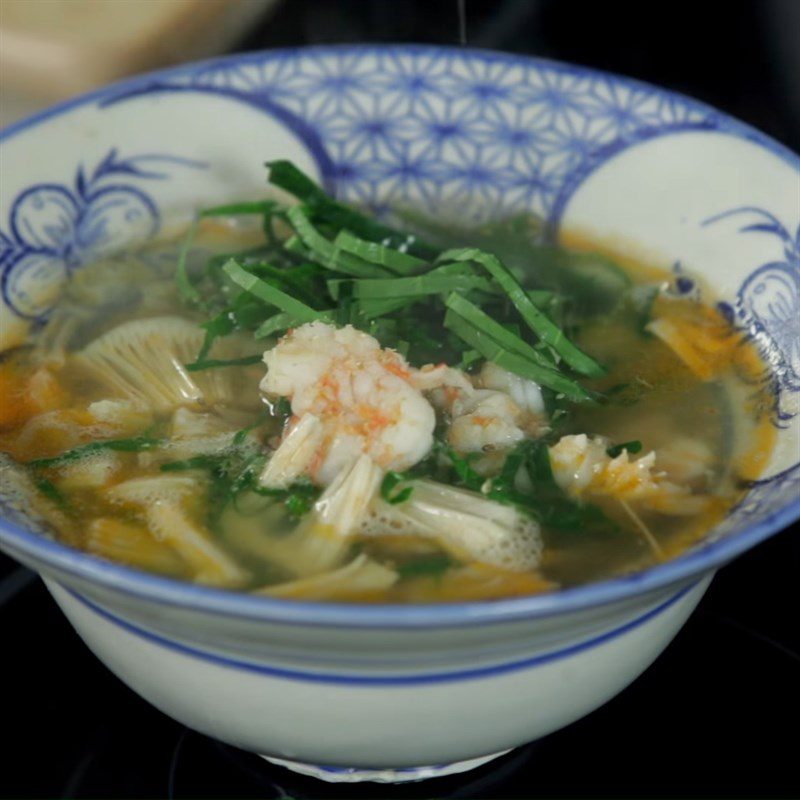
point(391, 692)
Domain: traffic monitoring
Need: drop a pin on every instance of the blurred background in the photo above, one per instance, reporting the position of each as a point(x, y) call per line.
point(716, 716)
point(740, 55)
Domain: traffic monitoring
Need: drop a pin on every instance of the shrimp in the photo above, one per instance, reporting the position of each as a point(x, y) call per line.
point(581, 466)
point(349, 397)
point(488, 414)
point(362, 398)
point(486, 421)
point(525, 393)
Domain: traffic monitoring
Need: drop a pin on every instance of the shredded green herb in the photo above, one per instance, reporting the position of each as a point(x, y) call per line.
point(236, 470)
point(135, 445)
point(388, 485)
point(216, 363)
point(632, 447)
point(431, 566)
point(326, 252)
point(237, 209)
point(288, 177)
point(275, 324)
point(344, 267)
point(483, 322)
point(188, 292)
point(375, 253)
point(547, 331)
point(493, 351)
point(51, 492)
point(270, 294)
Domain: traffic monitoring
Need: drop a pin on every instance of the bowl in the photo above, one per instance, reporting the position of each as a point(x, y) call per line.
point(382, 692)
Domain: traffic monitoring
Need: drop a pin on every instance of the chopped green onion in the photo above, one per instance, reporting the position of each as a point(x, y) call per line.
point(295, 246)
point(541, 297)
point(240, 435)
point(300, 280)
point(216, 261)
point(538, 322)
point(220, 325)
point(469, 357)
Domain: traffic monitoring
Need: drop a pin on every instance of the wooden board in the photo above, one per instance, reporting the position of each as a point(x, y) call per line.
point(51, 49)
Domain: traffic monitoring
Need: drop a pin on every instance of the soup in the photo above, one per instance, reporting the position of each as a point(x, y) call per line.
point(304, 403)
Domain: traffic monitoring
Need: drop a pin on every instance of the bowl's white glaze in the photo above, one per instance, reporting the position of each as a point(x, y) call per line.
point(397, 687)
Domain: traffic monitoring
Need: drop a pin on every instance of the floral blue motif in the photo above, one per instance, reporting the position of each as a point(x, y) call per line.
point(768, 301)
point(763, 498)
point(53, 228)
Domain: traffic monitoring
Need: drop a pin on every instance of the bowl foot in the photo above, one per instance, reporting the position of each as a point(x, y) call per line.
point(401, 775)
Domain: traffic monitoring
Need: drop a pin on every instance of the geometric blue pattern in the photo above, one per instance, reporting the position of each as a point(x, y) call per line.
point(481, 132)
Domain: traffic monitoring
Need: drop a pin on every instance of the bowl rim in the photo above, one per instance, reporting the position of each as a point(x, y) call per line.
point(219, 602)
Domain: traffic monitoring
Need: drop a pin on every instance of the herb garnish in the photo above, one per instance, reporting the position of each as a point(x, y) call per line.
point(341, 266)
point(632, 447)
point(135, 445)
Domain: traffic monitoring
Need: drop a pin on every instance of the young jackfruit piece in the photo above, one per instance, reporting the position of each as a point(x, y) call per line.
point(465, 524)
point(322, 538)
point(161, 503)
point(473, 582)
point(361, 579)
point(124, 417)
point(132, 544)
point(92, 472)
point(295, 453)
point(686, 461)
point(188, 424)
point(24, 499)
point(144, 361)
point(191, 434)
point(180, 449)
point(53, 432)
point(26, 392)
